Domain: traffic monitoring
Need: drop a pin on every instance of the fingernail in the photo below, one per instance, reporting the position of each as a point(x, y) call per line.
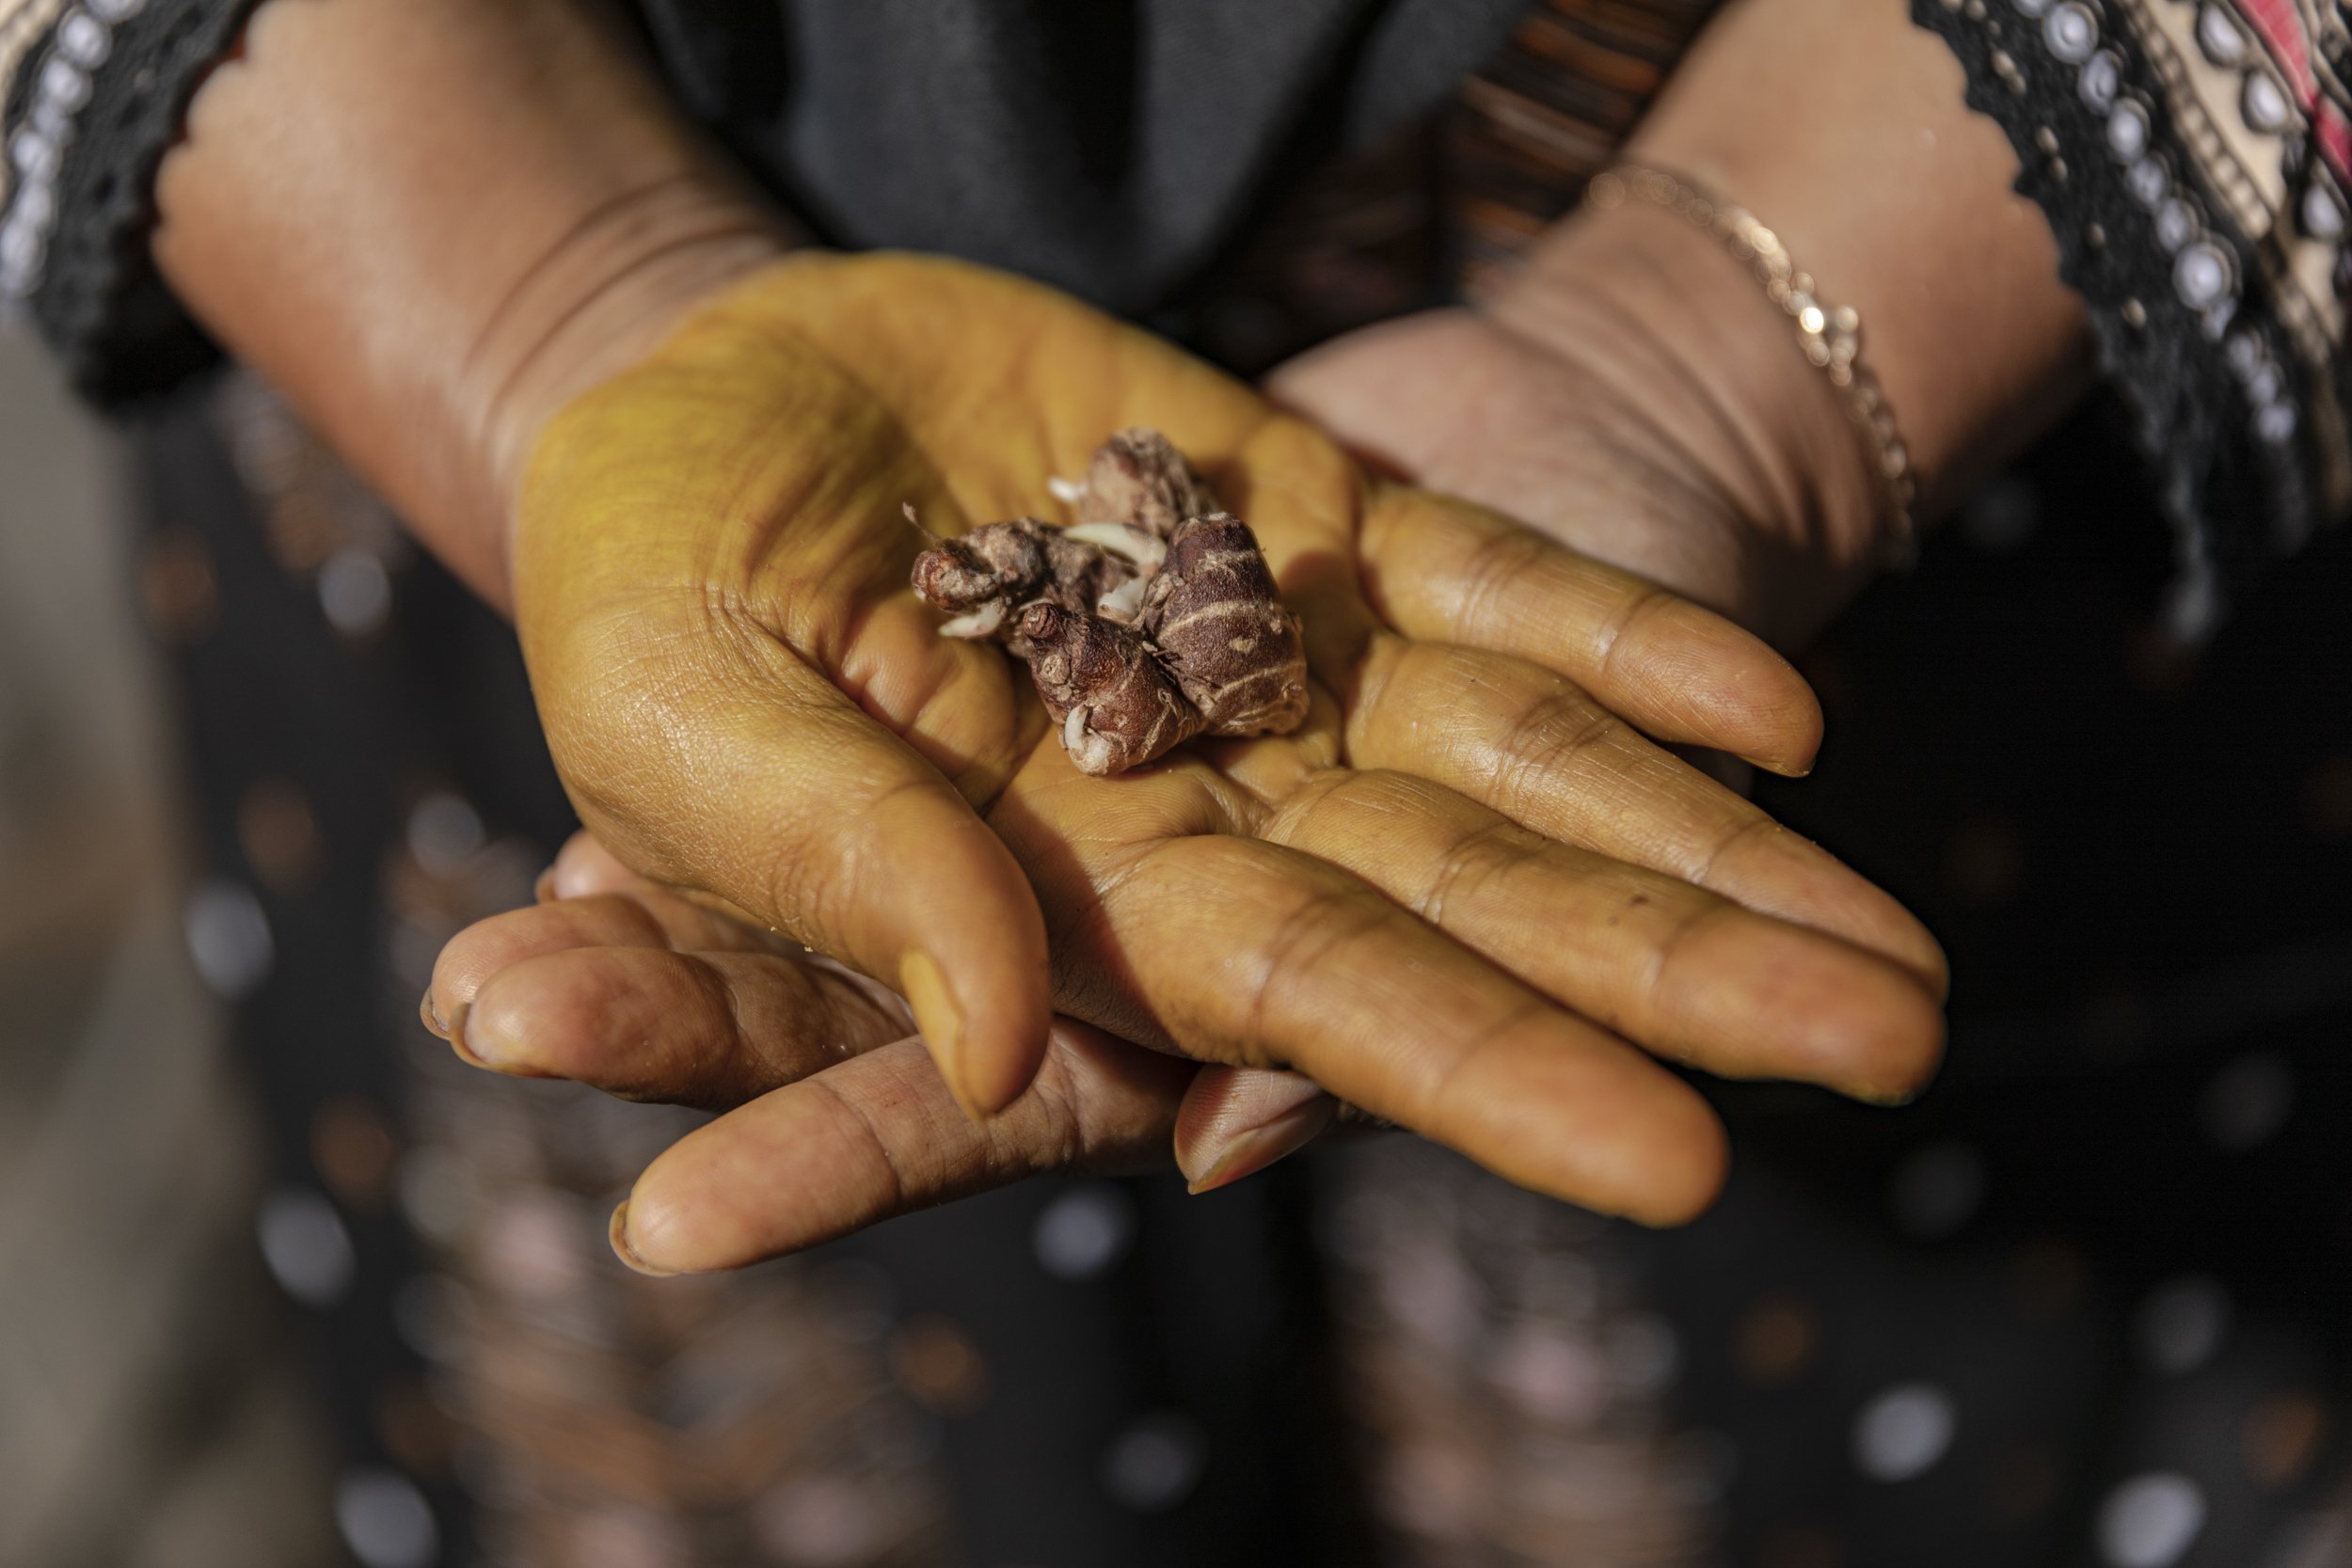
point(941, 1022)
point(455, 1034)
point(543, 888)
point(432, 1016)
point(1261, 1147)
point(470, 1051)
point(618, 1233)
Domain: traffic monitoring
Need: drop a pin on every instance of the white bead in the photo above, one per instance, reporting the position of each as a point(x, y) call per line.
point(2103, 75)
point(54, 120)
point(2218, 35)
point(2200, 275)
point(2264, 103)
point(2322, 214)
point(2275, 423)
point(20, 245)
point(2071, 32)
point(36, 205)
point(34, 154)
point(2146, 179)
point(63, 86)
point(2175, 224)
point(2127, 131)
point(85, 40)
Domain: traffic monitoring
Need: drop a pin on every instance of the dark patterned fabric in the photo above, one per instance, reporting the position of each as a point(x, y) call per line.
point(2086, 1304)
point(95, 103)
point(2195, 161)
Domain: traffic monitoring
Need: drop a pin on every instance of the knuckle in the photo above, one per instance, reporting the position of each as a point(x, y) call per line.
point(1494, 567)
point(1295, 952)
point(1493, 848)
point(1547, 735)
point(1619, 636)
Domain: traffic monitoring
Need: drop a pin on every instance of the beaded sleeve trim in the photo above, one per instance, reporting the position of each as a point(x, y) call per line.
point(94, 96)
point(2193, 157)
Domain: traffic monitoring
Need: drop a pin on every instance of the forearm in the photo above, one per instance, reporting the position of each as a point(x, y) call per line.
point(430, 221)
point(1842, 127)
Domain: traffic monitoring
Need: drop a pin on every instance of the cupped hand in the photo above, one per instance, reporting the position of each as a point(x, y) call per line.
point(1405, 901)
point(835, 1118)
point(744, 697)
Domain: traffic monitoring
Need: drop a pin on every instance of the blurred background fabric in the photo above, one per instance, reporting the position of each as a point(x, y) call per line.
point(150, 1414)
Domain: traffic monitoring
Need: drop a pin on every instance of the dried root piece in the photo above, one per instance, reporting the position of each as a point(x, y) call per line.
point(1150, 621)
point(1224, 632)
point(1138, 480)
point(1117, 708)
point(984, 577)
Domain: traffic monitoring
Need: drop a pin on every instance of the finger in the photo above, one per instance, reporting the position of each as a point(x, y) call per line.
point(711, 1030)
point(1443, 571)
point(1529, 744)
point(880, 1135)
point(1237, 1120)
point(1678, 970)
point(642, 916)
point(584, 866)
point(1238, 951)
point(822, 824)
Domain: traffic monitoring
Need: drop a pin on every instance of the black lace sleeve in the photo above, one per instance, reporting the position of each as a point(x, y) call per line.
point(94, 93)
point(2193, 158)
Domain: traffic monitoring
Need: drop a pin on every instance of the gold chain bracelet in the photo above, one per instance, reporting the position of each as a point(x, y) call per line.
point(1830, 334)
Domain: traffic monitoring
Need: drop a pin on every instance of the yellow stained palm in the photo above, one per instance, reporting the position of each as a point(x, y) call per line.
point(1453, 899)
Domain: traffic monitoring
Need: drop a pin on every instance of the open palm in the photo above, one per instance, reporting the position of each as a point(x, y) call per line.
point(1453, 899)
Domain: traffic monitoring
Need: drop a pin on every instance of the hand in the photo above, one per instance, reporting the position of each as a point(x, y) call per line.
point(706, 571)
point(837, 1118)
point(1630, 393)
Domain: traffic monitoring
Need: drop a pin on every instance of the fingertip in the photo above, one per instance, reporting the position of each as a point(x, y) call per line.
point(1773, 712)
point(1798, 728)
point(987, 1056)
point(1690, 676)
point(929, 901)
point(1685, 1183)
point(625, 1247)
point(1906, 1059)
point(1234, 1123)
point(583, 868)
point(494, 1033)
point(1253, 1150)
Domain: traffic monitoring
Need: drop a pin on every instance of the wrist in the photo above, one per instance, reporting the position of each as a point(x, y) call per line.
point(429, 221)
point(1657, 314)
point(601, 301)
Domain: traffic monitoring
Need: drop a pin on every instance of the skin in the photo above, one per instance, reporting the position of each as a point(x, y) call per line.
point(691, 561)
point(551, 276)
